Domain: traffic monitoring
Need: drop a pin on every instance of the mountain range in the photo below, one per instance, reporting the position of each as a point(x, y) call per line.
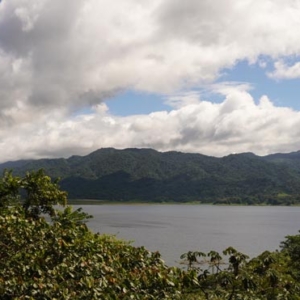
point(148, 175)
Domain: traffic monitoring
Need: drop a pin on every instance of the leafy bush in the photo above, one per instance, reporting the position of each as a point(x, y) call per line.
point(47, 253)
point(268, 276)
point(63, 259)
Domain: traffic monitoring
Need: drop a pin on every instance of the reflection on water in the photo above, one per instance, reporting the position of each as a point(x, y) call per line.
point(176, 229)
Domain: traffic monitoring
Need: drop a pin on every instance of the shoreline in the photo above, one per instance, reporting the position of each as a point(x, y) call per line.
point(106, 202)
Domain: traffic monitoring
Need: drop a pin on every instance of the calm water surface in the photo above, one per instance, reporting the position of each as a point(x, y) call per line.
point(176, 229)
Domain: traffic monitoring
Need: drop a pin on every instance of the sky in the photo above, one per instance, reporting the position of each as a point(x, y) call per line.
point(201, 76)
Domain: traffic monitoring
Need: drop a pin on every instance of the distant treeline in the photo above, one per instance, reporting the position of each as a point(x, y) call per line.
point(152, 176)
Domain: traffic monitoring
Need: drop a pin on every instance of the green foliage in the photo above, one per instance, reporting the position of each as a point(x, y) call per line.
point(148, 175)
point(41, 194)
point(60, 258)
point(9, 190)
point(63, 259)
point(267, 276)
point(35, 191)
point(291, 248)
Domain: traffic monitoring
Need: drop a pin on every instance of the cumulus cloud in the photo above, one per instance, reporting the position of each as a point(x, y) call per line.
point(59, 52)
point(284, 71)
point(237, 124)
point(58, 57)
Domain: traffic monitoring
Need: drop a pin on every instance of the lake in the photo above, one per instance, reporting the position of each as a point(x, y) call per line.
point(176, 229)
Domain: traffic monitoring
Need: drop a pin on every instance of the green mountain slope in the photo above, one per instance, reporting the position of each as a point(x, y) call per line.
point(291, 160)
point(149, 175)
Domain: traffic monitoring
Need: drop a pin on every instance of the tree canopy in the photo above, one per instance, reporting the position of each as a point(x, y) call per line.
point(152, 176)
point(49, 253)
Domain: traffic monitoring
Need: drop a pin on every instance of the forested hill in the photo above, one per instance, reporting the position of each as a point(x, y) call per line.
point(149, 175)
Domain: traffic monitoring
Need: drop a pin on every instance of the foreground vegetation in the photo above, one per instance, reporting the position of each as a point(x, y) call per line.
point(51, 254)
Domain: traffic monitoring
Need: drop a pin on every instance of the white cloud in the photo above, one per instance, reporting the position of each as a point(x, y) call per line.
point(183, 99)
point(71, 50)
point(237, 124)
point(57, 57)
point(284, 71)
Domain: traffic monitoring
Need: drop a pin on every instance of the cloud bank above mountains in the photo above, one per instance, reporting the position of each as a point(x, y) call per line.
point(60, 58)
point(237, 124)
